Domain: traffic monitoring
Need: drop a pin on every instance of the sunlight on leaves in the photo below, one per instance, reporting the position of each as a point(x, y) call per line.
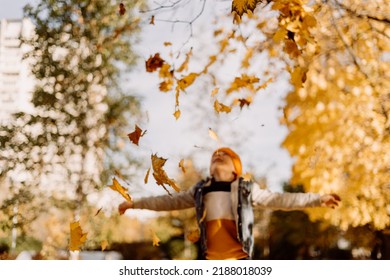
point(120, 189)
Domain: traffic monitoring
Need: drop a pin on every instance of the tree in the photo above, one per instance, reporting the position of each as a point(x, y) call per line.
point(338, 121)
point(63, 150)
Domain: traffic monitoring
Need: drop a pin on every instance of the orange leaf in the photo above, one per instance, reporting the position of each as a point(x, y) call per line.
point(219, 107)
point(136, 135)
point(77, 237)
point(154, 62)
point(156, 240)
point(186, 81)
point(244, 6)
point(177, 114)
point(166, 44)
point(147, 176)
point(181, 165)
point(160, 175)
point(166, 85)
point(184, 65)
point(120, 189)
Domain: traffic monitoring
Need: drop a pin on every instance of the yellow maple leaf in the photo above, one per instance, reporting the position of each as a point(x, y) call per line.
point(181, 165)
point(120, 189)
point(243, 6)
point(104, 245)
point(77, 237)
point(136, 135)
point(160, 175)
point(219, 107)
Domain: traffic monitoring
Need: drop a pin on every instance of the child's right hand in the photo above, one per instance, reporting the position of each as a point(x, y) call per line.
point(124, 206)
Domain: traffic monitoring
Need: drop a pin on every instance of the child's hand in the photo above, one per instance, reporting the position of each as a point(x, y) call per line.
point(330, 200)
point(124, 206)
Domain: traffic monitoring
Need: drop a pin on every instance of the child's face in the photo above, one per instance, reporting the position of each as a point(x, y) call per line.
point(221, 161)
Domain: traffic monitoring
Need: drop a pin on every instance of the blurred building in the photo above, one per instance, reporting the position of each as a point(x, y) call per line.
point(16, 83)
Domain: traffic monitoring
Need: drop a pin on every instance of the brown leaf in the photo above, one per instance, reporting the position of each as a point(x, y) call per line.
point(147, 176)
point(160, 175)
point(181, 165)
point(136, 135)
point(77, 237)
point(120, 189)
point(98, 211)
point(154, 62)
point(151, 20)
point(122, 9)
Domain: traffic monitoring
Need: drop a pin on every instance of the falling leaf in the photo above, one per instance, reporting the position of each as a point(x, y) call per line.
point(244, 81)
point(166, 85)
point(214, 92)
point(244, 102)
point(177, 114)
point(147, 176)
point(151, 20)
point(98, 211)
point(136, 135)
point(120, 189)
point(213, 135)
point(193, 235)
point(181, 165)
point(104, 245)
point(247, 177)
point(122, 9)
point(184, 65)
point(165, 71)
point(185, 82)
point(166, 44)
point(160, 175)
point(154, 62)
point(156, 240)
point(245, 62)
point(244, 6)
point(77, 237)
point(219, 107)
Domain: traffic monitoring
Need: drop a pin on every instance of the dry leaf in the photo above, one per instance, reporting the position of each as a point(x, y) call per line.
point(181, 165)
point(98, 211)
point(219, 107)
point(243, 102)
point(166, 44)
point(77, 237)
point(214, 92)
point(104, 245)
point(184, 65)
point(147, 176)
point(213, 135)
point(247, 177)
point(122, 9)
point(151, 20)
point(156, 240)
point(177, 114)
point(185, 82)
point(120, 189)
point(160, 175)
point(136, 135)
point(154, 62)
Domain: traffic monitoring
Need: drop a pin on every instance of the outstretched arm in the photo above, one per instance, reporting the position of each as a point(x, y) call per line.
point(330, 200)
point(292, 201)
point(177, 201)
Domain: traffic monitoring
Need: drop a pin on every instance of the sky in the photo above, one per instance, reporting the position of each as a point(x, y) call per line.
point(261, 153)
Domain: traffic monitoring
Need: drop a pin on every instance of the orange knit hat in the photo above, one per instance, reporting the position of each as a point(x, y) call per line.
point(235, 158)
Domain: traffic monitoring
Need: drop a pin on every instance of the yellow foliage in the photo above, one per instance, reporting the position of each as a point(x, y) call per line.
point(116, 186)
point(160, 175)
point(77, 237)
